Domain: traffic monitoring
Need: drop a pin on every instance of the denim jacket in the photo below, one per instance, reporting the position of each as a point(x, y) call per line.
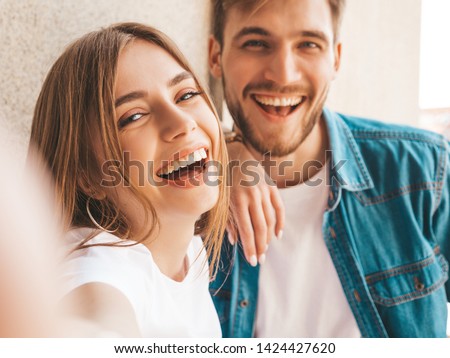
point(387, 229)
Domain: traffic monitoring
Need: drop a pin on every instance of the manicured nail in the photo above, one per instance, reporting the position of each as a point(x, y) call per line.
point(253, 261)
point(262, 259)
point(280, 235)
point(230, 239)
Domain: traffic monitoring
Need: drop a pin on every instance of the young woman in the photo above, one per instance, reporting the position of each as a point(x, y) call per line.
point(130, 136)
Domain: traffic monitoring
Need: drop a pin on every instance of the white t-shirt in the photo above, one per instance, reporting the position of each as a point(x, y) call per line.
point(300, 294)
point(163, 307)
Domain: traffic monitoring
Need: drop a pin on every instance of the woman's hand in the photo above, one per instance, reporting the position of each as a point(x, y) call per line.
point(256, 206)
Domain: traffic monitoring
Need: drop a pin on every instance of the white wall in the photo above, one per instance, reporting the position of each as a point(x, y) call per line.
point(33, 33)
point(379, 77)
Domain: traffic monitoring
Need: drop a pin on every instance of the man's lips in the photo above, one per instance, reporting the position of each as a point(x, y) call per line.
point(280, 106)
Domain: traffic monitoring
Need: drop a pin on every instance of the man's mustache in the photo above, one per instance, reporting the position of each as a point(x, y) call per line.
point(268, 86)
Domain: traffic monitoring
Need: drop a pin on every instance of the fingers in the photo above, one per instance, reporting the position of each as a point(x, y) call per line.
point(257, 208)
point(278, 207)
point(269, 217)
point(261, 230)
point(246, 233)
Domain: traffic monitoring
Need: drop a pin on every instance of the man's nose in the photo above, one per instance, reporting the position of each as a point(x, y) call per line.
point(176, 123)
point(284, 67)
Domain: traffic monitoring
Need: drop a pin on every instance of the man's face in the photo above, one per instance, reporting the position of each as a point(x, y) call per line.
point(276, 64)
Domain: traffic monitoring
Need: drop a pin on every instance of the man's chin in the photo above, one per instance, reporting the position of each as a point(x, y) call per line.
point(281, 147)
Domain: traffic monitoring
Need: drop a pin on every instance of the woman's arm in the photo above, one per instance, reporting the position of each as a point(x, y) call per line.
point(256, 206)
point(99, 310)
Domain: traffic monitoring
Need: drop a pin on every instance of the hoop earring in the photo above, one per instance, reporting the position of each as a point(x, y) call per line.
point(93, 220)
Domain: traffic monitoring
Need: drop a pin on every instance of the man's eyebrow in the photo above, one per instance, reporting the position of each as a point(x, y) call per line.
point(251, 30)
point(179, 78)
point(315, 34)
point(254, 30)
point(129, 97)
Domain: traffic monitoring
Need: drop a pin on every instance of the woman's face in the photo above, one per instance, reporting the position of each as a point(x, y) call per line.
point(167, 131)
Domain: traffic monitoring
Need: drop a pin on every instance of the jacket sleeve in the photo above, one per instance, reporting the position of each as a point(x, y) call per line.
point(441, 217)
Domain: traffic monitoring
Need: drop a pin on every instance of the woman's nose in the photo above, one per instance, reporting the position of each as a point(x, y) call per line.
point(176, 124)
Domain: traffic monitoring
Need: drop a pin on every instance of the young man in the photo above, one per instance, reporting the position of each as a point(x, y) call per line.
point(367, 233)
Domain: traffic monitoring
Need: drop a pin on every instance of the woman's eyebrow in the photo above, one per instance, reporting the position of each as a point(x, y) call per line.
point(129, 97)
point(179, 78)
point(139, 94)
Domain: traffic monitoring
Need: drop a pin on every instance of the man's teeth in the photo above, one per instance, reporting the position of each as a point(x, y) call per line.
point(279, 101)
point(185, 161)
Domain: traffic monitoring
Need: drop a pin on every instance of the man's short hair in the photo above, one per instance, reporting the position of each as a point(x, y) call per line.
point(221, 7)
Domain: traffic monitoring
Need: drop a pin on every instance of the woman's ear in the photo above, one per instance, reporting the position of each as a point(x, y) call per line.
point(214, 57)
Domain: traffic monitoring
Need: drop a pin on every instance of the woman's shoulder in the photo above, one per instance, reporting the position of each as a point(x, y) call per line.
point(100, 246)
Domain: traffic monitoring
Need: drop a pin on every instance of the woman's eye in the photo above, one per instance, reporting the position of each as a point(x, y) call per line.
point(188, 95)
point(133, 118)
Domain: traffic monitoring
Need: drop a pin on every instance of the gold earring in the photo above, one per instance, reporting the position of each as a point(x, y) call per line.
point(93, 220)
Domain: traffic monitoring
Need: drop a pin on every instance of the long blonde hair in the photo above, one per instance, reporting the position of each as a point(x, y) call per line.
point(77, 100)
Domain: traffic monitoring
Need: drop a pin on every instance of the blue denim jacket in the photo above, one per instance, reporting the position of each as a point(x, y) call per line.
point(387, 228)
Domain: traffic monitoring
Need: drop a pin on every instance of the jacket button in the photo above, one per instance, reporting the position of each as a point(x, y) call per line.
point(332, 233)
point(331, 195)
point(243, 303)
point(357, 296)
point(419, 286)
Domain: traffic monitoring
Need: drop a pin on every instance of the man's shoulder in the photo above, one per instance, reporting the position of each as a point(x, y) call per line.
point(378, 147)
point(376, 130)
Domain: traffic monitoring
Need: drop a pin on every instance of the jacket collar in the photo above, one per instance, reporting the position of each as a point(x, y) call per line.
point(348, 169)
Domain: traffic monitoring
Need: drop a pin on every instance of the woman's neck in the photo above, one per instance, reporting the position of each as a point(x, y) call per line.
point(170, 244)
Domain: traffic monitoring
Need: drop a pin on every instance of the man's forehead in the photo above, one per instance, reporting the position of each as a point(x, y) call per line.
point(280, 16)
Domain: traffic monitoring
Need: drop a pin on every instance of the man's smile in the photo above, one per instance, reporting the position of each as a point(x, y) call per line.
point(280, 106)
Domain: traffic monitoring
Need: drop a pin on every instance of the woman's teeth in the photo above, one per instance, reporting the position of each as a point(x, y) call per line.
point(185, 161)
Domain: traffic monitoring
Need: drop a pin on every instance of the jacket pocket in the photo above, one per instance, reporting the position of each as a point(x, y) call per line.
point(408, 282)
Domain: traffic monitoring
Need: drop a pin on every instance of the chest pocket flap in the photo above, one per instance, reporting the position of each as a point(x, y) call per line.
point(408, 282)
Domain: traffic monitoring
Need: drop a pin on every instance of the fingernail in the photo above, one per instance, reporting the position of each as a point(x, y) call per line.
point(280, 235)
point(262, 259)
point(267, 248)
point(253, 261)
point(230, 239)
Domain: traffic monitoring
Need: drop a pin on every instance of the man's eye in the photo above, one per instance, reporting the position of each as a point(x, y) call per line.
point(309, 44)
point(255, 44)
point(133, 118)
point(188, 95)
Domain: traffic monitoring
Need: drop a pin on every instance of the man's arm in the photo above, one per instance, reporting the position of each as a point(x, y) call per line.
point(441, 217)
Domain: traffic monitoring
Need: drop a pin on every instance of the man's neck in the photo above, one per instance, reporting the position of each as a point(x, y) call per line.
point(300, 165)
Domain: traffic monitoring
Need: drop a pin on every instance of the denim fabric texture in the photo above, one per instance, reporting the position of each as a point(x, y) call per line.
point(387, 228)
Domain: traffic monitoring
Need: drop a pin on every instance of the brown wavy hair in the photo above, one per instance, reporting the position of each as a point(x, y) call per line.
point(76, 101)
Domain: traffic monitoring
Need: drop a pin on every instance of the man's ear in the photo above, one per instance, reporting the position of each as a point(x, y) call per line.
point(214, 57)
point(337, 58)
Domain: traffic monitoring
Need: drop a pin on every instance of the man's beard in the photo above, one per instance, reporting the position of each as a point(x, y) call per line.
point(277, 147)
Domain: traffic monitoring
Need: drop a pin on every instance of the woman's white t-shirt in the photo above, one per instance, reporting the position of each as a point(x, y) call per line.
point(163, 307)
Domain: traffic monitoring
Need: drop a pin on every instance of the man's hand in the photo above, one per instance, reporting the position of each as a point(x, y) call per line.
point(256, 206)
